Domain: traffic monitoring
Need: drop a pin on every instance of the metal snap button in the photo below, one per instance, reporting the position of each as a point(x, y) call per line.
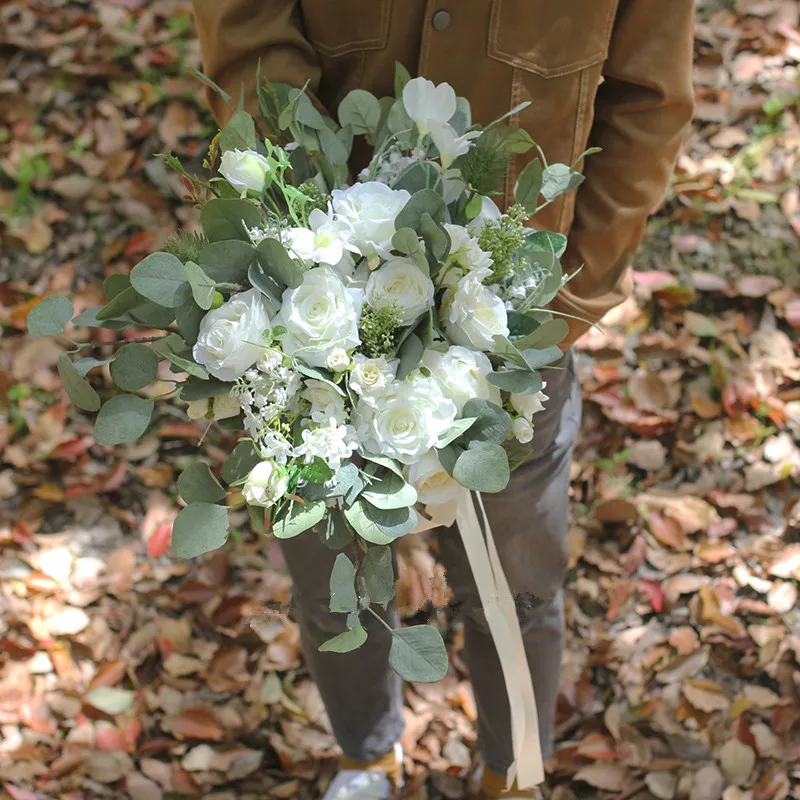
point(441, 20)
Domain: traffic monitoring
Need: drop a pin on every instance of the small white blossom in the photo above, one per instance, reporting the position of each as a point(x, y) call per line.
point(332, 442)
point(522, 430)
point(326, 402)
point(427, 103)
point(265, 485)
point(244, 169)
point(449, 144)
point(529, 404)
point(326, 240)
point(338, 360)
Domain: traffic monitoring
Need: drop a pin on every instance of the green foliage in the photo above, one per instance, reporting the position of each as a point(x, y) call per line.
point(225, 261)
point(50, 316)
point(502, 239)
point(121, 303)
point(197, 484)
point(299, 517)
point(425, 201)
point(492, 423)
point(558, 179)
point(401, 78)
point(188, 366)
point(380, 526)
point(483, 468)
point(202, 286)
point(518, 381)
point(134, 367)
point(389, 492)
point(316, 197)
point(484, 165)
point(225, 218)
point(185, 246)
point(78, 389)
point(241, 460)
point(277, 263)
point(160, 277)
point(346, 642)
point(378, 574)
point(239, 133)
point(418, 654)
point(548, 334)
point(342, 585)
point(378, 330)
point(200, 528)
point(529, 186)
point(123, 418)
point(410, 354)
point(361, 110)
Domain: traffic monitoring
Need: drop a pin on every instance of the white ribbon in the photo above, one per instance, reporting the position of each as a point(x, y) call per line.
point(501, 616)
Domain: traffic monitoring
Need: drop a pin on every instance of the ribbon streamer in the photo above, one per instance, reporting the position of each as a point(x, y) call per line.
point(501, 616)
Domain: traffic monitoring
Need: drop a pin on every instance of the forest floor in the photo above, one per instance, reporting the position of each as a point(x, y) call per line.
point(125, 673)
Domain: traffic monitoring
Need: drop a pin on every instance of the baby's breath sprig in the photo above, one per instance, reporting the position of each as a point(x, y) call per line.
point(377, 330)
point(502, 238)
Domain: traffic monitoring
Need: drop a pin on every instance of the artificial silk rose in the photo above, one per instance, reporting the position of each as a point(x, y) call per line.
point(406, 421)
point(325, 401)
point(461, 372)
point(522, 430)
point(400, 282)
point(231, 337)
point(529, 404)
point(266, 484)
point(244, 169)
point(473, 314)
point(370, 209)
point(320, 316)
point(427, 103)
point(338, 360)
point(465, 250)
point(371, 376)
point(327, 240)
point(449, 144)
point(434, 484)
point(489, 213)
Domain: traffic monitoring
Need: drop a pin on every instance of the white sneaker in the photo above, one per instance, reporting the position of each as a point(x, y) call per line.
point(352, 784)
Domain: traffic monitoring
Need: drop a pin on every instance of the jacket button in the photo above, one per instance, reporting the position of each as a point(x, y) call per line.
point(441, 20)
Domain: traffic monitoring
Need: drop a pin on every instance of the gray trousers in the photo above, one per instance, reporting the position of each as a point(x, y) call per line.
point(529, 521)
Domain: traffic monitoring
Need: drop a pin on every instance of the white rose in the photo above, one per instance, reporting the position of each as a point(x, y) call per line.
point(231, 337)
point(370, 209)
point(371, 376)
point(244, 169)
point(338, 360)
point(325, 401)
point(522, 430)
point(433, 482)
point(320, 316)
point(529, 404)
point(402, 282)
point(266, 484)
point(427, 103)
point(461, 372)
point(489, 213)
point(473, 314)
point(465, 251)
point(406, 421)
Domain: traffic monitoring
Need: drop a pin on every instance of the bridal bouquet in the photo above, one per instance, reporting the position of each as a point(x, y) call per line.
point(378, 345)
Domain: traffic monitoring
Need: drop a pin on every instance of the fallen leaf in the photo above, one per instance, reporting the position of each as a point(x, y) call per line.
point(737, 761)
point(196, 723)
point(605, 775)
point(647, 455)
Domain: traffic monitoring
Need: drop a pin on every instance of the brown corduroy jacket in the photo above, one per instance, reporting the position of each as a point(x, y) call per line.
point(615, 74)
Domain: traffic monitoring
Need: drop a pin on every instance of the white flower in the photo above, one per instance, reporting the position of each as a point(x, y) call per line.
point(461, 372)
point(406, 421)
point(449, 144)
point(244, 169)
point(522, 430)
point(402, 282)
point(427, 103)
point(231, 336)
point(465, 250)
point(266, 484)
point(271, 360)
point(371, 376)
point(453, 185)
point(473, 314)
point(273, 446)
point(320, 316)
point(325, 401)
point(326, 240)
point(529, 404)
point(338, 360)
point(332, 442)
point(433, 482)
point(370, 209)
point(489, 213)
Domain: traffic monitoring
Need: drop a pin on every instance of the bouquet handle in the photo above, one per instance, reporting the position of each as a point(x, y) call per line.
point(501, 616)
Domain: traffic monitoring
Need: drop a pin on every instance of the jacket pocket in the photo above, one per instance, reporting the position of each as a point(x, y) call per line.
point(338, 27)
point(551, 37)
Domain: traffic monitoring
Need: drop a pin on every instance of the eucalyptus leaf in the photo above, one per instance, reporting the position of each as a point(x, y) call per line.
point(333, 148)
point(337, 533)
point(197, 484)
point(200, 528)
point(198, 389)
point(277, 263)
point(115, 283)
point(361, 111)
point(85, 365)
point(318, 375)
point(240, 462)
point(160, 277)
point(188, 366)
point(203, 287)
point(89, 318)
point(529, 185)
point(188, 316)
point(378, 526)
point(410, 354)
point(239, 133)
point(299, 517)
point(378, 573)
point(459, 427)
point(426, 201)
point(134, 367)
point(492, 423)
point(418, 654)
point(548, 334)
point(50, 316)
point(541, 358)
point(227, 261)
point(267, 285)
point(382, 461)
point(153, 315)
point(505, 349)
point(123, 418)
point(401, 78)
point(121, 303)
point(517, 381)
point(483, 469)
point(389, 492)
point(345, 642)
point(546, 240)
point(418, 176)
point(77, 388)
point(342, 585)
point(558, 179)
point(225, 218)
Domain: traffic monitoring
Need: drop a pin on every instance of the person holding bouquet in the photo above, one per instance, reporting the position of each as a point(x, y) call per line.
point(611, 74)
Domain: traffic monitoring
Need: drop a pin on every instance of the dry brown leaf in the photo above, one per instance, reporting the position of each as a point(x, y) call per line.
point(605, 775)
point(705, 696)
point(662, 784)
point(196, 723)
point(737, 761)
point(692, 513)
point(647, 455)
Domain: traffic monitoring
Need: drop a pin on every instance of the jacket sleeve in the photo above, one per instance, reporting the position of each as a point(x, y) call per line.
point(642, 110)
point(235, 34)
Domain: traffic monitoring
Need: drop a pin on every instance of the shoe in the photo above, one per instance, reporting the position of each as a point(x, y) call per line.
point(493, 787)
point(368, 780)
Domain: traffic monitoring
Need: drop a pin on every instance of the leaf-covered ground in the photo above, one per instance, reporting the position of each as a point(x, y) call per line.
point(125, 673)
